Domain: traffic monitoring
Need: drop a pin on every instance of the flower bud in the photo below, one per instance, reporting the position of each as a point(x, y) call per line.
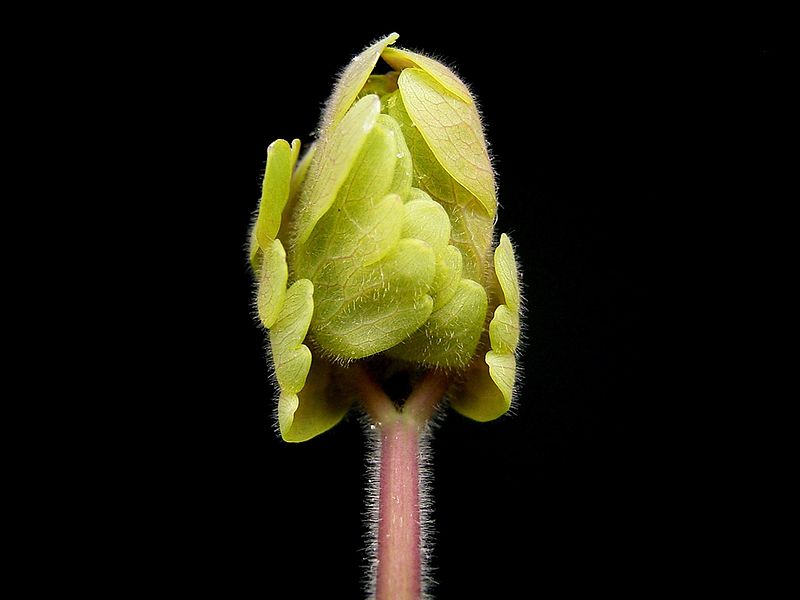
point(380, 242)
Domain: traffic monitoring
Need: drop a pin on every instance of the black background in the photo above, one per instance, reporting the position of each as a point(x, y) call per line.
point(596, 135)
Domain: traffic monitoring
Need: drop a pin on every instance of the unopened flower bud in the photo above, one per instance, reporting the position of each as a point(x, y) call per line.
point(380, 241)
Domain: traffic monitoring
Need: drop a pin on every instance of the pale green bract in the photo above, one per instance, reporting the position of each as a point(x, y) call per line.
point(377, 245)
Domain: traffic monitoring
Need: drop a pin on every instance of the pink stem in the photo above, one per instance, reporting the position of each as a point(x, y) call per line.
point(399, 576)
point(399, 567)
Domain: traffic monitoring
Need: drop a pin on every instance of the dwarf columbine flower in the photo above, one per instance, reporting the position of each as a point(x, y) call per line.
point(375, 257)
point(383, 233)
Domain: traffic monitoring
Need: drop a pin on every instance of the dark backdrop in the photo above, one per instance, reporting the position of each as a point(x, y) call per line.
point(594, 134)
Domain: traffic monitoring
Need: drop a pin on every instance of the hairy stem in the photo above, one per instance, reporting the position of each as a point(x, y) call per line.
point(399, 566)
point(399, 574)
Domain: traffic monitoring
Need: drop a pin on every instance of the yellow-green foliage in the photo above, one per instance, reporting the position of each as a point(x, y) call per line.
point(380, 241)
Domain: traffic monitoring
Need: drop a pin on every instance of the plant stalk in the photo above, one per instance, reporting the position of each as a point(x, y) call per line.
point(399, 560)
point(399, 566)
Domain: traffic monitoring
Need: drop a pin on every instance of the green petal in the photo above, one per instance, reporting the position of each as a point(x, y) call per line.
point(451, 334)
point(453, 131)
point(382, 304)
point(426, 220)
point(480, 399)
point(352, 80)
point(275, 191)
point(362, 224)
point(380, 84)
point(274, 274)
point(291, 358)
point(404, 168)
point(371, 289)
point(471, 226)
point(449, 266)
point(403, 59)
point(315, 409)
point(332, 162)
point(505, 266)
